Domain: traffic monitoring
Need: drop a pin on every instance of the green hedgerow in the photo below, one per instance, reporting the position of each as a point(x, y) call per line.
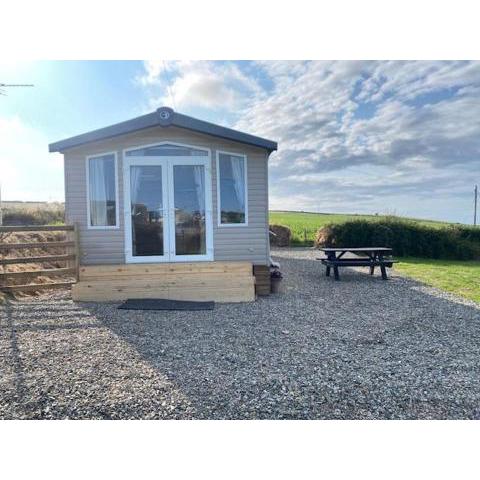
point(406, 238)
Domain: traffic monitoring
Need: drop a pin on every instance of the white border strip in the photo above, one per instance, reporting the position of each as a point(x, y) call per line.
point(219, 207)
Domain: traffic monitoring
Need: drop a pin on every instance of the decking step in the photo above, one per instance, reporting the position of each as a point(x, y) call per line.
point(218, 281)
point(102, 271)
point(232, 293)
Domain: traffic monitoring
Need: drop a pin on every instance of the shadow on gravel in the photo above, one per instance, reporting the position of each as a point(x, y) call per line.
point(361, 348)
point(58, 361)
point(18, 367)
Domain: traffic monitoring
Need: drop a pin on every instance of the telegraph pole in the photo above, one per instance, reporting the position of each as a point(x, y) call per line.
point(475, 206)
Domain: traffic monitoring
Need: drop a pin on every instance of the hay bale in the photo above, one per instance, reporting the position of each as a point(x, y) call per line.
point(281, 235)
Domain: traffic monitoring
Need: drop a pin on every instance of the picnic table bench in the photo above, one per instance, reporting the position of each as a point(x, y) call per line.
point(371, 257)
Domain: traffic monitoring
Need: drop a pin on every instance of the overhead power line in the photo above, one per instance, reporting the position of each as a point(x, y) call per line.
point(3, 86)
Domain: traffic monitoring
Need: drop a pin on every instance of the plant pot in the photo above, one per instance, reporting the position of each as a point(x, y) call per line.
point(275, 284)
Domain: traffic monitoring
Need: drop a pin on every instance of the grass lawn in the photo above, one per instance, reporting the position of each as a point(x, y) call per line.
point(305, 225)
point(458, 277)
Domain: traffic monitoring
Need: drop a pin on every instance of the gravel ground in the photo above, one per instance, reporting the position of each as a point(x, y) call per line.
point(360, 348)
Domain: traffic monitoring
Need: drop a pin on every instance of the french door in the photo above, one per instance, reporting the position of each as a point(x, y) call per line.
point(168, 209)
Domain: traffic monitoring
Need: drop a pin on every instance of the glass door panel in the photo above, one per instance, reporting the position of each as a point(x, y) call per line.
point(189, 210)
point(146, 210)
point(146, 202)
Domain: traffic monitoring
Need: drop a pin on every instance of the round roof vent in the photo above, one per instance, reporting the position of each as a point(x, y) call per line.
point(165, 115)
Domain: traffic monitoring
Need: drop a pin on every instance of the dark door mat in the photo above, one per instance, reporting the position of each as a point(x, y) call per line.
point(162, 304)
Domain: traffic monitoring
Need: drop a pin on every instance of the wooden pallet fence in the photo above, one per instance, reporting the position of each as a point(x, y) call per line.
point(70, 257)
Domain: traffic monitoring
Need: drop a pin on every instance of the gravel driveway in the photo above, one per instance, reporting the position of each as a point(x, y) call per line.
point(360, 348)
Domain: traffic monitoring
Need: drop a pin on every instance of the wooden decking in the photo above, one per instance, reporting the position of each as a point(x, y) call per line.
point(217, 281)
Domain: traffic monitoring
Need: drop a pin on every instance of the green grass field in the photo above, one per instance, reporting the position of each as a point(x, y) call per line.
point(458, 277)
point(305, 225)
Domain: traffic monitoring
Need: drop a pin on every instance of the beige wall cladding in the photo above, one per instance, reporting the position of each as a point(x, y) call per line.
point(249, 243)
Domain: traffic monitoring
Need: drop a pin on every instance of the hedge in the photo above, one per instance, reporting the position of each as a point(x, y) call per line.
point(405, 238)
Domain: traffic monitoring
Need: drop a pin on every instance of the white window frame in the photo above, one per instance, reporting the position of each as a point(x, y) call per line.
point(117, 205)
point(160, 144)
point(219, 207)
point(145, 161)
point(170, 256)
point(209, 253)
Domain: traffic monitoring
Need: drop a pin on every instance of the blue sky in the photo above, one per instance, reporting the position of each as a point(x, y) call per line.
point(365, 137)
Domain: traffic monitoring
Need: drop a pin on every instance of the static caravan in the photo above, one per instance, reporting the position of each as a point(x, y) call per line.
point(168, 206)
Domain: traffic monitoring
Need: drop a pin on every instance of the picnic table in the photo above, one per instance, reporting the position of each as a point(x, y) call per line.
point(364, 257)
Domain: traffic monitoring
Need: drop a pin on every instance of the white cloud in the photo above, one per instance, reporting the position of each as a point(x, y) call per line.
point(27, 170)
point(198, 84)
point(204, 90)
point(407, 80)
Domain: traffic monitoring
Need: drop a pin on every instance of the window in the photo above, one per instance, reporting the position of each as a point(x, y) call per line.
point(167, 150)
point(232, 189)
point(102, 191)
